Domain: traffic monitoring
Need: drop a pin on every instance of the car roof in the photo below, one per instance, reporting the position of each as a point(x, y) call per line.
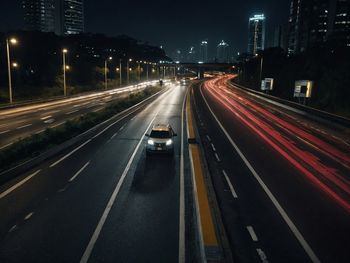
point(161, 127)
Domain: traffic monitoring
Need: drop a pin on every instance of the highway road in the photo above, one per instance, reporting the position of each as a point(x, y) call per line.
point(281, 179)
point(102, 200)
point(19, 122)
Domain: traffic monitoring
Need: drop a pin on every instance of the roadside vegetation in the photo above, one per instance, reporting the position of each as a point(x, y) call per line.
point(30, 147)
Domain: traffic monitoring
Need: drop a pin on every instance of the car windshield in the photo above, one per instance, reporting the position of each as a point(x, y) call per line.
point(160, 134)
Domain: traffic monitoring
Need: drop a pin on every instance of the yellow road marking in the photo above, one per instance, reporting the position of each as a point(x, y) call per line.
point(206, 219)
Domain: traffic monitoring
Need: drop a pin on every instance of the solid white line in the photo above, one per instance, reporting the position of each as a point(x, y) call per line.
point(233, 192)
point(45, 118)
point(71, 112)
point(77, 173)
point(69, 154)
point(29, 216)
point(252, 233)
point(111, 201)
point(282, 212)
point(40, 131)
point(4, 131)
point(24, 126)
point(213, 147)
point(3, 147)
point(11, 189)
point(262, 255)
point(217, 157)
point(182, 251)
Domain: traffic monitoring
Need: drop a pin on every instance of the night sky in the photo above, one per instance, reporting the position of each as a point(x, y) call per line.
point(173, 24)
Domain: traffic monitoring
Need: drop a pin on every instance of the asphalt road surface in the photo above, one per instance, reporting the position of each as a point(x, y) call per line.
point(282, 179)
point(102, 200)
point(19, 122)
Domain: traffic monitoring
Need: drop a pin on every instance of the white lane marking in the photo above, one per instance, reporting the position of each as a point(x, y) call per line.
point(213, 147)
point(11, 189)
point(5, 146)
point(114, 135)
point(279, 208)
point(217, 157)
point(13, 228)
point(58, 124)
point(49, 121)
point(252, 233)
point(69, 154)
point(262, 255)
point(182, 252)
point(29, 216)
point(24, 126)
point(40, 131)
point(208, 138)
point(99, 109)
point(233, 192)
point(111, 201)
point(46, 117)
point(79, 172)
point(5, 131)
point(71, 112)
point(121, 128)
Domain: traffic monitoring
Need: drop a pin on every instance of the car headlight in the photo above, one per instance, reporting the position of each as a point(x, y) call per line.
point(150, 142)
point(169, 142)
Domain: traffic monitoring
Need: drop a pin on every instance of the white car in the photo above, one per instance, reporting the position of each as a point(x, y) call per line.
point(160, 140)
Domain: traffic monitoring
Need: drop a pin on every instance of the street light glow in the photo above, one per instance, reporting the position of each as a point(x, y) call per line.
point(65, 50)
point(13, 41)
point(15, 64)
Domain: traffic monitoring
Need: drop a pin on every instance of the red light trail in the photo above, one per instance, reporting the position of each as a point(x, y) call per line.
point(299, 146)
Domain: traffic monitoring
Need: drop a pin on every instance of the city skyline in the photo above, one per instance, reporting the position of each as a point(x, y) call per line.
point(114, 19)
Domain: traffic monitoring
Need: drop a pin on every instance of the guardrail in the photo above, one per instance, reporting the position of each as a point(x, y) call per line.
point(312, 113)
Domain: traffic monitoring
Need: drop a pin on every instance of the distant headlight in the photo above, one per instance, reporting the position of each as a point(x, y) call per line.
point(169, 142)
point(150, 142)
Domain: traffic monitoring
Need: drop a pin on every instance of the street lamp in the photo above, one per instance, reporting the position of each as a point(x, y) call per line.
point(120, 72)
point(12, 41)
point(106, 72)
point(139, 69)
point(127, 70)
point(64, 52)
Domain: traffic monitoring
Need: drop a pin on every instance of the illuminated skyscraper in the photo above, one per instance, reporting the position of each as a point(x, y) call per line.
point(222, 52)
point(203, 51)
point(256, 34)
point(73, 16)
point(39, 15)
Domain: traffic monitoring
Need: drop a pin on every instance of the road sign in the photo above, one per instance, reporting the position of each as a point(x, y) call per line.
point(303, 88)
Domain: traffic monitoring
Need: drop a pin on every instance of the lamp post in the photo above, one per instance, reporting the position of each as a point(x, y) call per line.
point(139, 70)
point(127, 70)
point(64, 52)
point(147, 70)
point(8, 42)
point(106, 72)
point(120, 72)
point(261, 65)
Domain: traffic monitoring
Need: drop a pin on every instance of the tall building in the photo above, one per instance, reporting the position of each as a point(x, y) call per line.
point(72, 15)
point(313, 22)
point(63, 17)
point(39, 15)
point(191, 56)
point(222, 52)
point(256, 33)
point(339, 22)
point(203, 51)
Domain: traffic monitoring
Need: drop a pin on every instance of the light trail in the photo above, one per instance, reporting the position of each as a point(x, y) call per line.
point(289, 141)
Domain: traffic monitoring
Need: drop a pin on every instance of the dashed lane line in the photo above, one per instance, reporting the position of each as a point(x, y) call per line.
point(252, 233)
point(308, 250)
point(233, 192)
point(79, 172)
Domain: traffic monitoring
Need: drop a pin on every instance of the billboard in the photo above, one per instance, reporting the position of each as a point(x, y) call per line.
point(267, 84)
point(303, 88)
